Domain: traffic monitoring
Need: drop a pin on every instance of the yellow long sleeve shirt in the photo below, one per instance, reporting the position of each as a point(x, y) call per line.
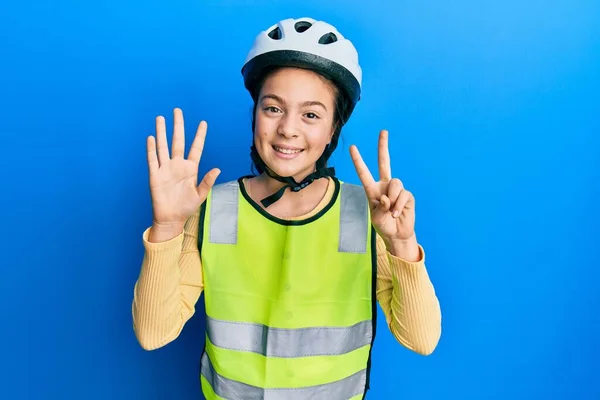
point(170, 284)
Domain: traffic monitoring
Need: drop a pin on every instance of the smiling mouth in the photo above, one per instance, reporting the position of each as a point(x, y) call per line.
point(287, 151)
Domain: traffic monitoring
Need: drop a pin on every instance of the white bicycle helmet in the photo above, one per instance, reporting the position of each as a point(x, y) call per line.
point(305, 43)
point(314, 45)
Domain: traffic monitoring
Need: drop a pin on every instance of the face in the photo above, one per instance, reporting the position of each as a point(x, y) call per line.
point(294, 121)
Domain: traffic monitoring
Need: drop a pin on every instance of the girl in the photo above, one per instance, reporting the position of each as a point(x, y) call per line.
point(292, 261)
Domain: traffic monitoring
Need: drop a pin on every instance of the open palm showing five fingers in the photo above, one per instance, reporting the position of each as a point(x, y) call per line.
point(392, 207)
point(174, 187)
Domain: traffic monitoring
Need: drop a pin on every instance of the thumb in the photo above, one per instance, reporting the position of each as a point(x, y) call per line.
point(379, 213)
point(384, 203)
point(207, 183)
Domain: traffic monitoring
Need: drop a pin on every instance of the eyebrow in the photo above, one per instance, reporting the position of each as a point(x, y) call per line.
point(282, 101)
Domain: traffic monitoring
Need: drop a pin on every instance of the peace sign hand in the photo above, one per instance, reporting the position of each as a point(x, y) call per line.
point(392, 207)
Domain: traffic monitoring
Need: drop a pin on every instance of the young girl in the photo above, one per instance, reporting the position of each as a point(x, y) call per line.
point(292, 261)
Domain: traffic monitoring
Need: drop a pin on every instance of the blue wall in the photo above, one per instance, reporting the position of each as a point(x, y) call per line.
point(493, 109)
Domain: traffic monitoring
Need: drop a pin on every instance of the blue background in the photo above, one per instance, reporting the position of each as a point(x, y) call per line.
point(493, 109)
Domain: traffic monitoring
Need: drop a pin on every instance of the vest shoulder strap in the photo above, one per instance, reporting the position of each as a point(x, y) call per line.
point(354, 219)
point(224, 213)
point(354, 216)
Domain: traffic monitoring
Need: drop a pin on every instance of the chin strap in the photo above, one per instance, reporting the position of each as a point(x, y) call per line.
point(289, 181)
point(293, 185)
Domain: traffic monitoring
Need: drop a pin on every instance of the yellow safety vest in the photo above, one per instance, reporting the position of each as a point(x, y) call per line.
point(290, 305)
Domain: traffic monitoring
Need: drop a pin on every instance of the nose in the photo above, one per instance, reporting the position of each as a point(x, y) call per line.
point(288, 127)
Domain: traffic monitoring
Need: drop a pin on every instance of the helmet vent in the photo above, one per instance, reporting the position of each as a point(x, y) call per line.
point(328, 38)
point(302, 26)
point(275, 34)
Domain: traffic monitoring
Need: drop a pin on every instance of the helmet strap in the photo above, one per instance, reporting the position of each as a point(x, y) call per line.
point(290, 182)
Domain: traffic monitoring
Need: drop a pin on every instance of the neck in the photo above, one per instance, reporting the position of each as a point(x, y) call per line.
point(272, 185)
point(297, 183)
point(263, 185)
point(268, 183)
point(276, 184)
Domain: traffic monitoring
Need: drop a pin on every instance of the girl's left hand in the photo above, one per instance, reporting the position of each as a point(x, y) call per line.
point(392, 206)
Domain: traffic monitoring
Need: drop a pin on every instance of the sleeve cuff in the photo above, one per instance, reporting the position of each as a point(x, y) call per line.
point(397, 262)
point(158, 246)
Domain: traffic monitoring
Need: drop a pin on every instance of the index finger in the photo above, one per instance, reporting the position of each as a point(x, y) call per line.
point(361, 168)
point(385, 168)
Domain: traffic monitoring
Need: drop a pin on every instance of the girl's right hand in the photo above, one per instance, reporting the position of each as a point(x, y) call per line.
point(174, 187)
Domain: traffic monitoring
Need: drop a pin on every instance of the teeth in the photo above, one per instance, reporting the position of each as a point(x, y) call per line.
point(287, 151)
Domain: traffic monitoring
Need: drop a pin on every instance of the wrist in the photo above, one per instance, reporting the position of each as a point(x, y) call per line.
point(406, 249)
point(161, 232)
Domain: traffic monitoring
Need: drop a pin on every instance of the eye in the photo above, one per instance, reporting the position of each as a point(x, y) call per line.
point(272, 109)
point(311, 115)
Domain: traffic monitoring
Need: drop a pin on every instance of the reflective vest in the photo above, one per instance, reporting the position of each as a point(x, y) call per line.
point(290, 305)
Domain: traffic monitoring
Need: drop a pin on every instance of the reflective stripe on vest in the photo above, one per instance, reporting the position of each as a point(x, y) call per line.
point(224, 217)
point(353, 217)
point(233, 390)
point(302, 342)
